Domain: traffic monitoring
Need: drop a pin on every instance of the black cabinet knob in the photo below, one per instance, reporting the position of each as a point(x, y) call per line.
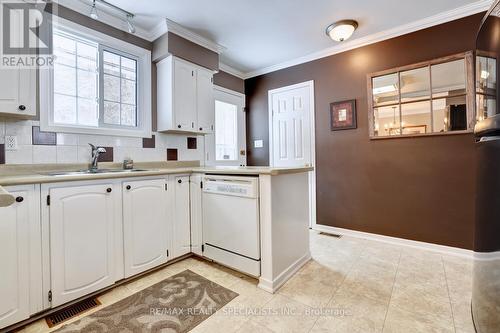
point(19, 199)
point(128, 187)
point(178, 126)
point(201, 128)
point(179, 181)
point(22, 107)
point(109, 190)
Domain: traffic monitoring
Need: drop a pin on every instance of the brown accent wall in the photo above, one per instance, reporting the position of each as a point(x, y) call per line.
point(416, 188)
point(229, 81)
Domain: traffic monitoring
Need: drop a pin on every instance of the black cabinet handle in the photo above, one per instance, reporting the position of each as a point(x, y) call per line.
point(128, 187)
point(22, 107)
point(109, 190)
point(179, 181)
point(178, 126)
point(19, 199)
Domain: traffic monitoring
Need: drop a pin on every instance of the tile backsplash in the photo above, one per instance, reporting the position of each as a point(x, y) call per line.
point(74, 148)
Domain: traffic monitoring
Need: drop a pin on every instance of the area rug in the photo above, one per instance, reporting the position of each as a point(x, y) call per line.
point(177, 304)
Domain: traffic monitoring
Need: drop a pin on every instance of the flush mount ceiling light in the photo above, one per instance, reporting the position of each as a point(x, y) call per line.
point(128, 16)
point(341, 30)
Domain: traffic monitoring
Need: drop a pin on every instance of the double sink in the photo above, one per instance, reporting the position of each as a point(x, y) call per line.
point(91, 172)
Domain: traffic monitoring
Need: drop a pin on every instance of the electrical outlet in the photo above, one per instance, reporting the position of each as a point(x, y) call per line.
point(10, 142)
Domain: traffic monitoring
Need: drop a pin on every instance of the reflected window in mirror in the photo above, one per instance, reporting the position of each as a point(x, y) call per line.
point(435, 97)
point(486, 87)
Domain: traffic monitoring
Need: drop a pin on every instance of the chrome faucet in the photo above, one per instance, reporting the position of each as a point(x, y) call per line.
point(96, 151)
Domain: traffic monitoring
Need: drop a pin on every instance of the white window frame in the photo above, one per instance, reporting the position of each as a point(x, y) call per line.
point(106, 42)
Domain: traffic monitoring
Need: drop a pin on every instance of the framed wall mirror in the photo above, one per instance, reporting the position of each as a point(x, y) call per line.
point(430, 98)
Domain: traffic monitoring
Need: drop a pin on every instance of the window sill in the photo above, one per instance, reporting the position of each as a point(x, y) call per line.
point(420, 135)
point(138, 133)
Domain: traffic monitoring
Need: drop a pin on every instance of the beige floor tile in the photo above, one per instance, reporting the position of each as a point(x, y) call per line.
point(351, 312)
point(313, 285)
point(252, 327)
point(115, 295)
point(283, 314)
point(398, 321)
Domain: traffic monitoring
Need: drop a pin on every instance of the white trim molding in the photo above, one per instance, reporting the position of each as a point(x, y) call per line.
point(274, 285)
point(230, 70)
point(451, 15)
point(442, 249)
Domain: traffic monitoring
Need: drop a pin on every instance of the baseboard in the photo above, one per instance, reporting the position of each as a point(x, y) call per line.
point(443, 249)
point(274, 285)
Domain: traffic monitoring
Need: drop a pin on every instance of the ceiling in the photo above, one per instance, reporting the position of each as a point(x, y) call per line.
point(258, 34)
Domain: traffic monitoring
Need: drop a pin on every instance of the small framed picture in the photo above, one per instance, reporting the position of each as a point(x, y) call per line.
point(343, 115)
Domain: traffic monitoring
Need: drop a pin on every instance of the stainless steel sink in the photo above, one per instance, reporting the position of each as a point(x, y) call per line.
point(91, 172)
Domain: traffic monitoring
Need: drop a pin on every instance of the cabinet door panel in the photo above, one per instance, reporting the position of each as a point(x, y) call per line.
point(205, 101)
point(184, 96)
point(181, 235)
point(14, 260)
point(82, 242)
point(145, 225)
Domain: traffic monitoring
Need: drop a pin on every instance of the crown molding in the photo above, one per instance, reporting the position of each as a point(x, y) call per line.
point(183, 32)
point(230, 70)
point(105, 16)
point(454, 14)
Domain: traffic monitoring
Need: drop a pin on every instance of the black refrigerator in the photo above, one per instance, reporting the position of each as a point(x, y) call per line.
point(486, 275)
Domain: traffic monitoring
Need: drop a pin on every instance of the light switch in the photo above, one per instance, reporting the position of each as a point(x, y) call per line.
point(258, 143)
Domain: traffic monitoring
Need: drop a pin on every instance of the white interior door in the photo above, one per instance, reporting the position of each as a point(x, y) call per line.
point(227, 146)
point(291, 137)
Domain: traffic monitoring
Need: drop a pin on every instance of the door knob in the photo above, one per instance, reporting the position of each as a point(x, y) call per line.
point(22, 107)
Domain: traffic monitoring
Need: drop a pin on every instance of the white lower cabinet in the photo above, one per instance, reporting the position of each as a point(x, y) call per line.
point(181, 229)
point(82, 241)
point(145, 224)
point(20, 259)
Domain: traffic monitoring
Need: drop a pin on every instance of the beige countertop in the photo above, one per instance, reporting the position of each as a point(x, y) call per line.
point(37, 174)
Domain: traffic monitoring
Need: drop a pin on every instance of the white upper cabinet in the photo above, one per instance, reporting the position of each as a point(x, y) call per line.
point(82, 243)
point(181, 229)
point(205, 101)
point(16, 223)
point(185, 101)
point(146, 224)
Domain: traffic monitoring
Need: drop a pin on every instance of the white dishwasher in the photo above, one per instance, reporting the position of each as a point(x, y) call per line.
point(231, 228)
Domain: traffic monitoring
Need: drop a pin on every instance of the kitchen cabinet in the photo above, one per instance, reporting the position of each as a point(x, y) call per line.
point(145, 224)
point(82, 239)
point(185, 101)
point(181, 229)
point(195, 194)
point(17, 85)
point(20, 241)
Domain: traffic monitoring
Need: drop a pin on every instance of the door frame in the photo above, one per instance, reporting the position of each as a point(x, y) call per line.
point(312, 174)
point(242, 135)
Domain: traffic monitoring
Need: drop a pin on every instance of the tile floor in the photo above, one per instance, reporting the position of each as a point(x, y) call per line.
point(351, 285)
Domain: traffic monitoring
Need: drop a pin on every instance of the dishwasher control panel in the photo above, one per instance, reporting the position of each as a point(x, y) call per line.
point(230, 185)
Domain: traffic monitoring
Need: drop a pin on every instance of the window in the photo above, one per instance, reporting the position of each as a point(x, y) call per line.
point(486, 87)
point(426, 98)
point(98, 85)
point(226, 133)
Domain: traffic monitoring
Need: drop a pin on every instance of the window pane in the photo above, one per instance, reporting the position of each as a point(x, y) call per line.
point(416, 118)
point(448, 79)
point(486, 106)
point(450, 114)
point(486, 75)
point(226, 136)
point(64, 80)
point(87, 112)
point(64, 109)
point(111, 63)
point(111, 88)
point(386, 121)
point(415, 84)
point(64, 50)
point(112, 113)
point(128, 92)
point(128, 68)
point(87, 85)
point(385, 89)
point(128, 115)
